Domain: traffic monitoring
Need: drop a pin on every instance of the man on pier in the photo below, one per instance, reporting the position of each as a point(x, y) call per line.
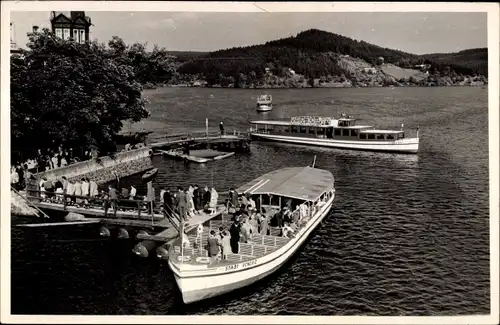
point(221, 126)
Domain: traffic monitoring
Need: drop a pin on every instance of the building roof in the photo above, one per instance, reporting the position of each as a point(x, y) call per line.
point(303, 183)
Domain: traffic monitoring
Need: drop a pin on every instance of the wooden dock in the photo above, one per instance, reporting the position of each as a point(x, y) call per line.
point(235, 142)
point(154, 226)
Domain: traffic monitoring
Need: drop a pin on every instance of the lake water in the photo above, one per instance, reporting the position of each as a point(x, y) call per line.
point(408, 234)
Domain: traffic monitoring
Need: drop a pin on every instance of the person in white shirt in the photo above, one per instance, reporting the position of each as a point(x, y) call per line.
point(70, 191)
point(14, 177)
point(286, 230)
point(133, 192)
point(85, 189)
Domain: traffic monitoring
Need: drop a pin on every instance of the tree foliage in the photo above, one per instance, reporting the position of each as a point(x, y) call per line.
point(69, 95)
point(314, 54)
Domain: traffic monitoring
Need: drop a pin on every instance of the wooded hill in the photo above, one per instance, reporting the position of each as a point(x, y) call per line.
point(315, 54)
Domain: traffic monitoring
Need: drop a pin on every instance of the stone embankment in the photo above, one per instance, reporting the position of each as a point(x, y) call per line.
point(101, 170)
point(105, 169)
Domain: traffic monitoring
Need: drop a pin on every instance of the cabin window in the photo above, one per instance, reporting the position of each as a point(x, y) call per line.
point(270, 128)
point(345, 132)
point(390, 137)
point(354, 133)
point(380, 137)
point(312, 130)
point(302, 129)
point(261, 128)
point(401, 135)
point(286, 128)
point(337, 132)
point(371, 136)
point(278, 128)
point(362, 136)
point(295, 129)
point(329, 133)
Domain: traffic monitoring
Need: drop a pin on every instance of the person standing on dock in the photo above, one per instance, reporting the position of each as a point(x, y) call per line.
point(198, 198)
point(206, 197)
point(94, 190)
point(233, 198)
point(167, 201)
point(113, 196)
point(133, 192)
point(181, 203)
point(221, 126)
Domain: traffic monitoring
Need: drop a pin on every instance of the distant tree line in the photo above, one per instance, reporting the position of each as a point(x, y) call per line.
point(315, 54)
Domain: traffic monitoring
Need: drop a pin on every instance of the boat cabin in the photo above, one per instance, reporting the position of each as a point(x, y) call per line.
point(344, 128)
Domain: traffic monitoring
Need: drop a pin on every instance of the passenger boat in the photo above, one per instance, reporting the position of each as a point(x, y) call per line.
point(200, 277)
point(339, 132)
point(264, 103)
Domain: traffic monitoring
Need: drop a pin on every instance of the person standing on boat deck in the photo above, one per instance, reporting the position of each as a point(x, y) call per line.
point(181, 203)
point(133, 192)
point(264, 224)
point(213, 246)
point(235, 235)
point(197, 197)
point(221, 126)
point(251, 202)
point(226, 244)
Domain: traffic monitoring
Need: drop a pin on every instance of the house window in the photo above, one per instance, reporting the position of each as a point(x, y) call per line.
point(82, 36)
point(66, 33)
point(76, 35)
point(59, 32)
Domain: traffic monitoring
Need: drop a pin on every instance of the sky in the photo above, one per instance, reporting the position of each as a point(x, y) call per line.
point(412, 32)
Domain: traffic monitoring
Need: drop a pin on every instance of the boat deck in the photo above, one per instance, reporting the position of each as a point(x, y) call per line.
point(257, 246)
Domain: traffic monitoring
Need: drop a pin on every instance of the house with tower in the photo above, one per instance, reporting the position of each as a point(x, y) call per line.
point(71, 25)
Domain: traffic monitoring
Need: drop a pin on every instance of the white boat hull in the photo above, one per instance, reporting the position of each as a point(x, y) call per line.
point(199, 287)
point(408, 145)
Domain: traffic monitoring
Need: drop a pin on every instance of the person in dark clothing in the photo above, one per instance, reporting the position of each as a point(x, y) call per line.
point(233, 198)
point(197, 198)
point(221, 126)
point(235, 235)
point(206, 196)
point(167, 201)
point(21, 183)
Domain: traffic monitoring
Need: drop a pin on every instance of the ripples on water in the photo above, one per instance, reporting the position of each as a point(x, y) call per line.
point(408, 235)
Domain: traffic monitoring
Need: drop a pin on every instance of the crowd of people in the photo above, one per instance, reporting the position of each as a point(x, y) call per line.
point(249, 219)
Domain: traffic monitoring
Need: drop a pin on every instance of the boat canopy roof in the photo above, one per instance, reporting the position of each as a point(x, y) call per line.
point(303, 183)
point(381, 131)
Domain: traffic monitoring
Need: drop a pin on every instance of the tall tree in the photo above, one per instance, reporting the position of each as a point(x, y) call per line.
point(70, 95)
